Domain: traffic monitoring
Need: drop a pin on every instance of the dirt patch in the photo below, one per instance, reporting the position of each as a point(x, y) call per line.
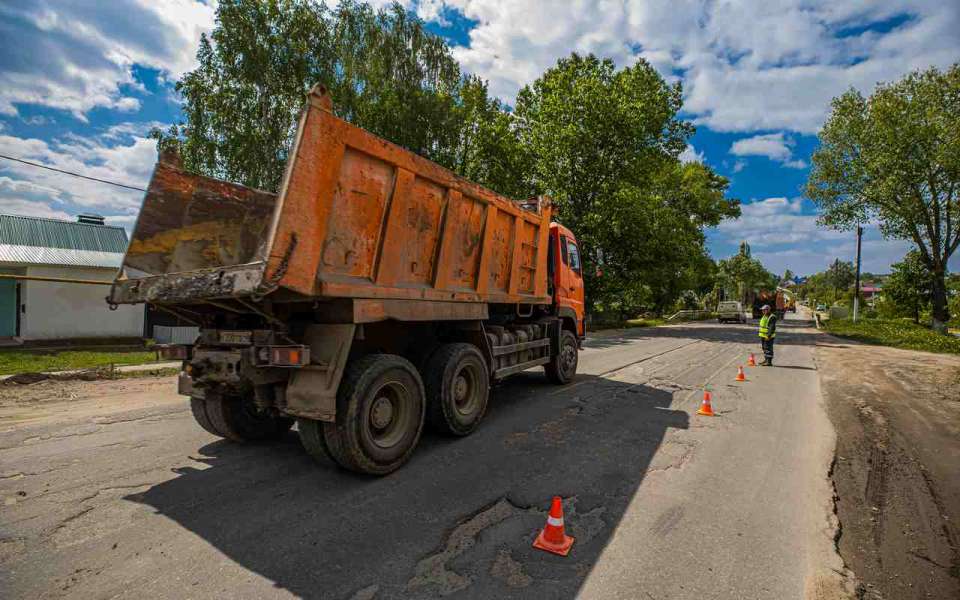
point(897, 415)
point(57, 390)
point(52, 401)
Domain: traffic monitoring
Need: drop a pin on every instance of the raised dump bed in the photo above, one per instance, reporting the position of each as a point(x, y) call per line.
point(357, 216)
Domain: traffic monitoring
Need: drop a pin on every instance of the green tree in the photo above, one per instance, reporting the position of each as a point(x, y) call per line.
point(741, 274)
point(787, 276)
point(895, 157)
point(603, 143)
point(841, 275)
point(910, 285)
point(384, 71)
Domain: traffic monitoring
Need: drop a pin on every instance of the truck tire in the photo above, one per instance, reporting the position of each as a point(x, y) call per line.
point(239, 420)
point(458, 388)
point(312, 438)
point(198, 406)
point(380, 414)
point(562, 368)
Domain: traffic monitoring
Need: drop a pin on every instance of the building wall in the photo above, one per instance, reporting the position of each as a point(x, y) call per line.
point(71, 310)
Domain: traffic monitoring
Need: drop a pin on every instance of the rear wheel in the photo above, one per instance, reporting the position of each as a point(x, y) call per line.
point(380, 413)
point(311, 436)
point(238, 419)
point(198, 406)
point(458, 388)
point(562, 368)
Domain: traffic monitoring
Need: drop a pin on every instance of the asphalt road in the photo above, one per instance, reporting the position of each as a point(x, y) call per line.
point(125, 496)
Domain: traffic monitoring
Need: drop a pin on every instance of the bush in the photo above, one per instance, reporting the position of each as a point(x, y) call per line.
point(898, 333)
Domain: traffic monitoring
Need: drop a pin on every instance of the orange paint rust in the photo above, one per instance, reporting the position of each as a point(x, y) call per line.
point(373, 220)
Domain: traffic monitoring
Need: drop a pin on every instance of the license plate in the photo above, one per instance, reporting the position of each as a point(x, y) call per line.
point(236, 337)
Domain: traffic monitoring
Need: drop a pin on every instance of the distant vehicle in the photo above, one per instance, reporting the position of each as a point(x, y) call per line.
point(821, 308)
point(731, 311)
point(776, 299)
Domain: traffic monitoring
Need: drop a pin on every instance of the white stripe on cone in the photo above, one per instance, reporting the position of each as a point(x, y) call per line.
point(555, 521)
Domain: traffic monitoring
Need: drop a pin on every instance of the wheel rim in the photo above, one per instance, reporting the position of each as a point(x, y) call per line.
point(388, 415)
point(466, 390)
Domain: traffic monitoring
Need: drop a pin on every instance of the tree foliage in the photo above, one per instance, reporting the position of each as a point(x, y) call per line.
point(741, 273)
point(895, 157)
point(840, 275)
point(383, 70)
point(603, 142)
point(910, 285)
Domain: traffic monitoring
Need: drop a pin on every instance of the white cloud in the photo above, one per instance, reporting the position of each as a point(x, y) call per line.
point(746, 65)
point(30, 208)
point(118, 155)
point(783, 234)
point(771, 145)
point(775, 222)
point(877, 255)
point(739, 166)
point(77, 56)
point(690, 154)
point(774, 146)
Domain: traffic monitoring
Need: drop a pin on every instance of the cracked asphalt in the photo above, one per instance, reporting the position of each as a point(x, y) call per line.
point(114, 492)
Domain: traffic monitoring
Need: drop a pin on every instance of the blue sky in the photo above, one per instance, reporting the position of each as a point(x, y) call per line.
point(81, 84)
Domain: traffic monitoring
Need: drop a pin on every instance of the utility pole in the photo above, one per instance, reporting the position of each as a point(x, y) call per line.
point(856, 286)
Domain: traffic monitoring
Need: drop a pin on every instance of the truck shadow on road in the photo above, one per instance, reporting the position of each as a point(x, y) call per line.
point(459, 518)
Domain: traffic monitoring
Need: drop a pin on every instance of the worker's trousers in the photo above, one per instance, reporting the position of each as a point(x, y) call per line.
point(767, 345)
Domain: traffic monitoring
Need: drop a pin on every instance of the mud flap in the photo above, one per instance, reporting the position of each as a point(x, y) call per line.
point(312, 391)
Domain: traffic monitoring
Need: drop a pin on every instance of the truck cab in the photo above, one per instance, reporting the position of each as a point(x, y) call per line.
point(566, 266)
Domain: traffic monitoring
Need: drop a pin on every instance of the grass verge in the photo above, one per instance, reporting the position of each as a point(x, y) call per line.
point(895, 333)
point(643, 323)
point(28, 362)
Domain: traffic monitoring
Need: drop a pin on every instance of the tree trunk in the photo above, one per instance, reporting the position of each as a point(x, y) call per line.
point(939, 300)
point(916, 312)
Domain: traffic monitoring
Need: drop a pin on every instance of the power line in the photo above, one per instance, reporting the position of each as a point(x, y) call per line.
point(38, 165)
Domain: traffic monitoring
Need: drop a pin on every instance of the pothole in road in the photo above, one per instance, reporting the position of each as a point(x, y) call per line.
point(497, 541)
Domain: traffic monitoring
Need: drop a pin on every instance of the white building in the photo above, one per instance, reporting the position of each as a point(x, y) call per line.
point(85, 250)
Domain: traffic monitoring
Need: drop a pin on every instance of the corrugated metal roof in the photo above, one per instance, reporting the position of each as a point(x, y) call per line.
point(16, 230)
point(37, 255)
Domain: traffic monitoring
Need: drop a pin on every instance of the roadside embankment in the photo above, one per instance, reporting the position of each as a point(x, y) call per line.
point(897, 417)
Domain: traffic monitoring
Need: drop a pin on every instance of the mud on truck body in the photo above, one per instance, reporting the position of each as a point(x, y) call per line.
point(375, 292)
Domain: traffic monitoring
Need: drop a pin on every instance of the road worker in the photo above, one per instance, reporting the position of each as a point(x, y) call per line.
point(768, 331)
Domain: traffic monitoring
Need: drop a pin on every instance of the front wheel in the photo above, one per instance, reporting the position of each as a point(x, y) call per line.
point(562, 367)
point(380, 412)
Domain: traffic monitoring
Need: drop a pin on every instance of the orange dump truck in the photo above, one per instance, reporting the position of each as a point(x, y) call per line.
point(375, 292)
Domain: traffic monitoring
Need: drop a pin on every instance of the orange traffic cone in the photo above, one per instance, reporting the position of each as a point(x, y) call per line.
point(705, 408)
point(740, 375)
point(752, 362)
point(552, 538)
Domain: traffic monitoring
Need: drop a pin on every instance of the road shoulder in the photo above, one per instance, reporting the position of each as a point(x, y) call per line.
point(898, 444)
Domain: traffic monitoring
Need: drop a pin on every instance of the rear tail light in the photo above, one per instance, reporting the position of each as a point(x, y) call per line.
point(283, 356)
point(174, 352)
